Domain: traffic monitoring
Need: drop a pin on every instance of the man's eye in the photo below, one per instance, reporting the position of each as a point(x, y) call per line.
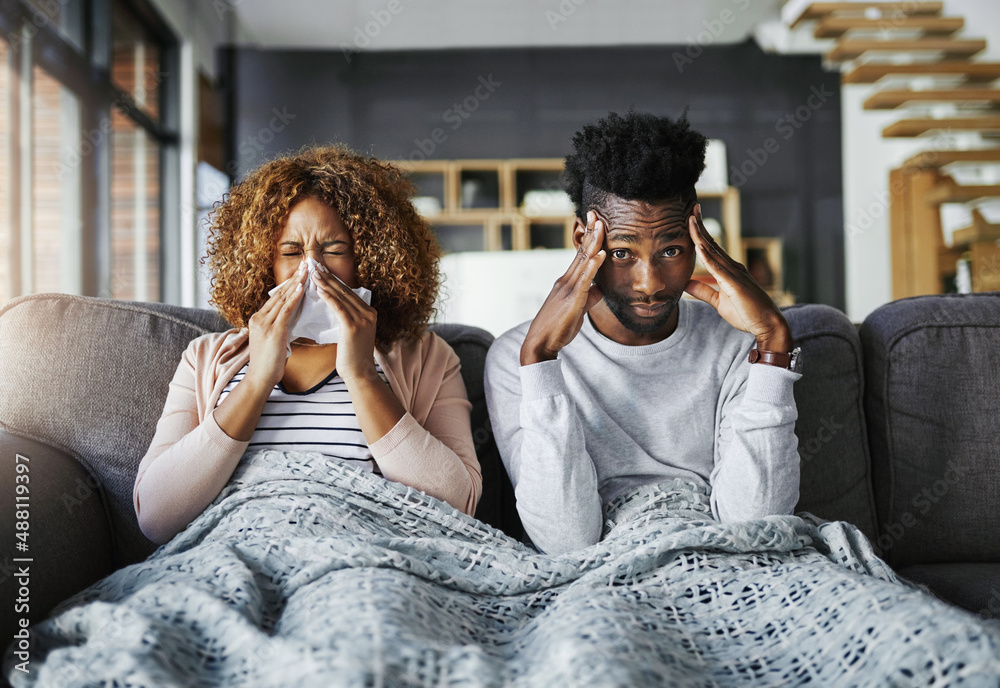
point(672, 252)
point(619, 253)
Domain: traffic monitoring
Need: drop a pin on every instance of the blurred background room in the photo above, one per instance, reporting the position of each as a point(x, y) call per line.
point(853, 156)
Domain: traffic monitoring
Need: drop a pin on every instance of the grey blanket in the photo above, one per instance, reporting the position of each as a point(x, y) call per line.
point(308, 572)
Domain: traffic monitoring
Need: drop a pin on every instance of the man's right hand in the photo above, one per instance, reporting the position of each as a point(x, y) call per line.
point(561, 316)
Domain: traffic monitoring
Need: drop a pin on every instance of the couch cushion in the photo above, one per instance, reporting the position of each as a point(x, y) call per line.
point(68, 537)
point(89, 377)
point(975, 587)
point(932, 405)
point(836, 483)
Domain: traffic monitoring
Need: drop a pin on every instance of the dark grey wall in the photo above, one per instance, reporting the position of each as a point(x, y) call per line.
point(528, 103)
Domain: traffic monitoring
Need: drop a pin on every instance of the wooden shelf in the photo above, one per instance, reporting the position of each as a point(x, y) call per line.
point(947, 260)
point(984, 257)
point(947, 190)
point(764, 260)
point(850, 49)
point(915, 238)
point(916, 127)
point(820, 10)
point(891, 99)
point(835, 27)
point(971, 71)
point(938, 159)
point(921, 263)
point(979, 230)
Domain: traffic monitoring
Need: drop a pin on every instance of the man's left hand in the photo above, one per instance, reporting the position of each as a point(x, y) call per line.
point(740, 300)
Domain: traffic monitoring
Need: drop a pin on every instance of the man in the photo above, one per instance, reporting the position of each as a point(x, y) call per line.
point(617, 382)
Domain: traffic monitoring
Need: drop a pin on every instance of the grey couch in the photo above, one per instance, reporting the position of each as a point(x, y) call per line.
point(897, 433)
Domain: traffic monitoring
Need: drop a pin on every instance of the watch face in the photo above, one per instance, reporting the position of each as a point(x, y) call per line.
point(796, 363)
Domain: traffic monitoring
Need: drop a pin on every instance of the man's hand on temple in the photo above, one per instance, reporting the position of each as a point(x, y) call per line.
point(740, 300)
point(561, 316)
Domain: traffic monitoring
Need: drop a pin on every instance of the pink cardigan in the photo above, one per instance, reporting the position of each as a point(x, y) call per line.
point(430, 448)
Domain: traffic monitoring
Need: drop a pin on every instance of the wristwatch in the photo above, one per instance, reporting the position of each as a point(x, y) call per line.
point(792, 361)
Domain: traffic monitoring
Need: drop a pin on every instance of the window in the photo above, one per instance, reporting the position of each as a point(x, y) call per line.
point(55, 187)
point(135, 60)
point(85, 92)
point(135, 212)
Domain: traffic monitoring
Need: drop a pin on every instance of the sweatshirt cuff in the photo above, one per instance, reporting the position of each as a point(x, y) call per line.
point(771, 384)
point(543, 379)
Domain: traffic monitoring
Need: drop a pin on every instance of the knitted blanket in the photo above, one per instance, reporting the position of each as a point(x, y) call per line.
point(308, 572)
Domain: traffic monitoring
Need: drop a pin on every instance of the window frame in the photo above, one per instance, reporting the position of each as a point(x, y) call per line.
point(87, 74)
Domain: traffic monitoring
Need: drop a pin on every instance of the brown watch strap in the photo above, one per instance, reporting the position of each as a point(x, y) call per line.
point(774, 358)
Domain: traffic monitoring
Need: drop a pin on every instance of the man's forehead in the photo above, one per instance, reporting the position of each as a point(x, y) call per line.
point(621, 212)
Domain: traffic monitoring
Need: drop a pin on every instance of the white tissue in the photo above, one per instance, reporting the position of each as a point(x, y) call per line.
point(314, 319)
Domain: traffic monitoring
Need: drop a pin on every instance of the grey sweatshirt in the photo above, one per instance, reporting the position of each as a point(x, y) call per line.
point(576, 432)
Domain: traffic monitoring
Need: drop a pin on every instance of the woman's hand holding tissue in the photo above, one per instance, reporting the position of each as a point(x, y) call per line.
point(239, 413)
point(269, 332)
point(356, 346)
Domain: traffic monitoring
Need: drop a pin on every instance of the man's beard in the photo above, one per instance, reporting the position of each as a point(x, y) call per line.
point(619, 306)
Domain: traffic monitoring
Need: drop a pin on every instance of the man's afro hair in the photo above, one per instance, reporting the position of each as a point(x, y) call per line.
point(638, 157)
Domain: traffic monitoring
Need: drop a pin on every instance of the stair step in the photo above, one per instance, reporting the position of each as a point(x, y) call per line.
point(922, 125)
point(937, 159)
point(949, 191)
point(835, 27)
point(888, 100)
point(972, 71)
point(850, 49)
point(979, 230)
point(818, 10)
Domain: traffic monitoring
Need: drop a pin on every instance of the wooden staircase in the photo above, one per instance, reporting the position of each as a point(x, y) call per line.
point(912, 42)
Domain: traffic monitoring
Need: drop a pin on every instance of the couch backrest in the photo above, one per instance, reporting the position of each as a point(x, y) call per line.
point(933, 409)
point(89, 377)
point(835, 464)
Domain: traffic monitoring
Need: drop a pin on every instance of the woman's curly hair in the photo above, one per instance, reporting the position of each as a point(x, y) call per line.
point(396, 254)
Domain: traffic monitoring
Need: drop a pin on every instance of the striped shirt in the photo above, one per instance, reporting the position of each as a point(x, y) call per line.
point(320, 419)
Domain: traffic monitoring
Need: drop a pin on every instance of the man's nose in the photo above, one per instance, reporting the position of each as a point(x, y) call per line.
point(646, 279)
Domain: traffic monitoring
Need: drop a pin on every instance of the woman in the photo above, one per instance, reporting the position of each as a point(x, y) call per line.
point(387, 396)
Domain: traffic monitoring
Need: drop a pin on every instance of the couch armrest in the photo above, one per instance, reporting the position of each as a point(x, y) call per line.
point(69, 535)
